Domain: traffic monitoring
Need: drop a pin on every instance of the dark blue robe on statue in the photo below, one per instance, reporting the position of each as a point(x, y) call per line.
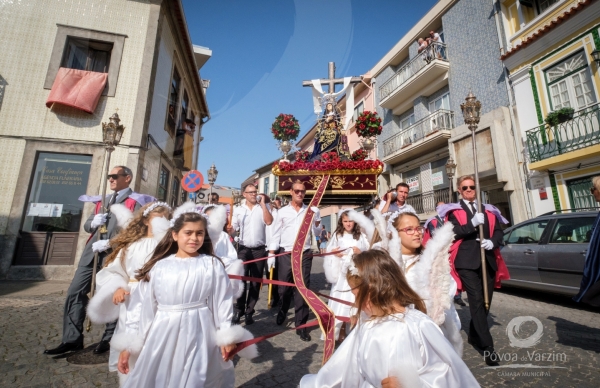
point(589, 291)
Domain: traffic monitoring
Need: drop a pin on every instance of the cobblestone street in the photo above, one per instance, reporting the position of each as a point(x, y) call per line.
point(566, 356)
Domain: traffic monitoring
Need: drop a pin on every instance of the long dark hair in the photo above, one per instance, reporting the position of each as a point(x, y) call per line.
point(382, 283)
point(168, 246)
point(339, 230)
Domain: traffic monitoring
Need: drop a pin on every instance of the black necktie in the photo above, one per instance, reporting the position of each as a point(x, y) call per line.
point(473, 208)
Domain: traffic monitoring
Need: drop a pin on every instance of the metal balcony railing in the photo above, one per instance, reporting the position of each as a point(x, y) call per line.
point(425, 203)
point(441, 119)
point(583, 130)
point(424, 58)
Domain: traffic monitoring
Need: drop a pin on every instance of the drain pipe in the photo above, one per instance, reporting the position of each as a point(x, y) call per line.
point(518, 150)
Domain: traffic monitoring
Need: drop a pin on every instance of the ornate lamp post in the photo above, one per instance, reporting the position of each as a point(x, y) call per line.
point(471, 110)
point(111, 137)
point(450, 170)
point(596, 56)
point(212, 177)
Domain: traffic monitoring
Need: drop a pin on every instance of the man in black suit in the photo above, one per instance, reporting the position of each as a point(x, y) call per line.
point(468, 263)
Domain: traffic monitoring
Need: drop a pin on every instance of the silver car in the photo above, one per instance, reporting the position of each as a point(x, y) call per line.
point(547, 253)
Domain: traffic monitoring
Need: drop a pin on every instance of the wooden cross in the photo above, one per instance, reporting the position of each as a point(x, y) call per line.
point(332, 81)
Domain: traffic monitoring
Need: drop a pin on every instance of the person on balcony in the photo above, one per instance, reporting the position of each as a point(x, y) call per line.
point(434, 41)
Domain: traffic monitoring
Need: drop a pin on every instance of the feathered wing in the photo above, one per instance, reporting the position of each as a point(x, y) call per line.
point(122, 214)
point(381, 226)
point(331, 263)
point(362, 221)
point(186, 207)
point(436, 258)
point(395, 249)
point(160, 226)
point(216, 222)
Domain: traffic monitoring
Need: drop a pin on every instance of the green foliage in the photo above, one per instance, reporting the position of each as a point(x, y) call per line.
point(559, 116)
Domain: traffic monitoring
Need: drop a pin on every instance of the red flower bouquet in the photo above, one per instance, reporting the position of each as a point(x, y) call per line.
point(368, 124)
point(302, 156)
point(285, 127)
point(359, 154)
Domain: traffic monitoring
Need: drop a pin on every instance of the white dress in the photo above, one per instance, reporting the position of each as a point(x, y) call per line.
point(408, 346)
point(178, 321)
point(224, 249)
point(335, 271)
point(119, 274)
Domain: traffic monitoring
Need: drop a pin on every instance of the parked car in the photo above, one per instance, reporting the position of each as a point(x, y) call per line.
point(547, 253)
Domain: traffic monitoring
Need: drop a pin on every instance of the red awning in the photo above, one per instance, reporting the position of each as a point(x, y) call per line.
point(77, 88)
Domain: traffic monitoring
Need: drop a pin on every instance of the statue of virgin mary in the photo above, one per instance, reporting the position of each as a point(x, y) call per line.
point(330, 135)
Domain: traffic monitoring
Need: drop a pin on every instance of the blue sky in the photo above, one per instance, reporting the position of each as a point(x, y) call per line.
point(262, 50)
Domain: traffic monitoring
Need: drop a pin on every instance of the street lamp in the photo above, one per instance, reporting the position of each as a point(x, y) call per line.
point(471, 110)
point(212, 177)
point(596, 57)
point(450, 170)
point(111, 137)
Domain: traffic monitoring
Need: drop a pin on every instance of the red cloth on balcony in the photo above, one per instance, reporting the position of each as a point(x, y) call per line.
point(77, 88)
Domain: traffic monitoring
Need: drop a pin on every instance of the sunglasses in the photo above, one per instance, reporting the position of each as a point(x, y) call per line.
point(299, 191)
point(468, 187)
point(114, 177)
point(410, 231)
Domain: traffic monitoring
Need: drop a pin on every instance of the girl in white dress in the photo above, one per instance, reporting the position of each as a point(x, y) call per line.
point(181, 324)
point(394, 343)
point(132, 247)
point(349, 238)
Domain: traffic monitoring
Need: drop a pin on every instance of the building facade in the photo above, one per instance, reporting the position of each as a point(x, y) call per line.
point(548, 53)
point(418, 93)
point(53, 154)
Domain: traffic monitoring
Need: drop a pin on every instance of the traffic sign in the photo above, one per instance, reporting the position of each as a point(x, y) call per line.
point(192, 181)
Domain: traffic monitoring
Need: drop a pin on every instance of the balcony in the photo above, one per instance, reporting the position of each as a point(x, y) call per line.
point(425, 203)
point(421, 76)
point(425, 135)
point(546, 144)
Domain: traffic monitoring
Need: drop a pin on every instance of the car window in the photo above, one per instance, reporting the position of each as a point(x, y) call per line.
point(527, 234)
point(572, 230)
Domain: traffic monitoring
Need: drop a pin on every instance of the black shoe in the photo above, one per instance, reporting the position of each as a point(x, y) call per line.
point(65, 347)
point(280, 317)
point(236, 318)
point(249, 320)
point(490, 356)
point(459, 301)
point(304, 336)
point(102, 347)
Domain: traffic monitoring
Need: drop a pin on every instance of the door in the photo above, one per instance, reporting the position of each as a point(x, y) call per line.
point(562, 260)
point(580, 195)
point(521, 251)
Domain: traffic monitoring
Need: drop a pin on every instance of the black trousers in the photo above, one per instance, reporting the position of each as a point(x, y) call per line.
point(76, 303)
point(284, 264)
point(245, 303)
point(472, 282)
point(275, 288)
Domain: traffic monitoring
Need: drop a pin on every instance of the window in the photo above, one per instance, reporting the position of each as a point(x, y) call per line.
point(579, 193)
point(570, 83)
point(442, 102)
point(85, 54)
point(266, 186)
point(439, 179)
point(573, 230)
point(174, 192)
point(358, 110)
point(173, 106)
point(83, 49)
point(545, 4)
point(411, 178)
point(185, 103)
point(163, 184)
point(407, 122)
point(527, 234)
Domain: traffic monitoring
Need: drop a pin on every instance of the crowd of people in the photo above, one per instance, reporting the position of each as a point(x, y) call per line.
point(175, 284)
point(431, 47)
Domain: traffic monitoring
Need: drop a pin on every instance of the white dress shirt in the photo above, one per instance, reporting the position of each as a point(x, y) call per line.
point(270, 230)
point(469, 205)
point(394, 207)
point(251, 225)
point(287, 226)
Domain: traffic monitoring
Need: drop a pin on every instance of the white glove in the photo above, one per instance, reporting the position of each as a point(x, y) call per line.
point(270, 263)
point(488, 245)
point(99, 219)
point(478, 219)
point(100, 246)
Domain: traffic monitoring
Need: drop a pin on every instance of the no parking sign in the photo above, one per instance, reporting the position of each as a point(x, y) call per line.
point(192, 181)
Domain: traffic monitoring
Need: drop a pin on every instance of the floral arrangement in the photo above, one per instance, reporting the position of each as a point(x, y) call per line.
point(328, 164)
point(302, 156)
point(285, 127)
point(368, 124)
point(359, 154)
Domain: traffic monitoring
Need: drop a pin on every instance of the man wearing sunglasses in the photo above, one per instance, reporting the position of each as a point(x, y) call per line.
point(119, 179)
point(466, 259)
point(289, 220)
point(250, 220)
